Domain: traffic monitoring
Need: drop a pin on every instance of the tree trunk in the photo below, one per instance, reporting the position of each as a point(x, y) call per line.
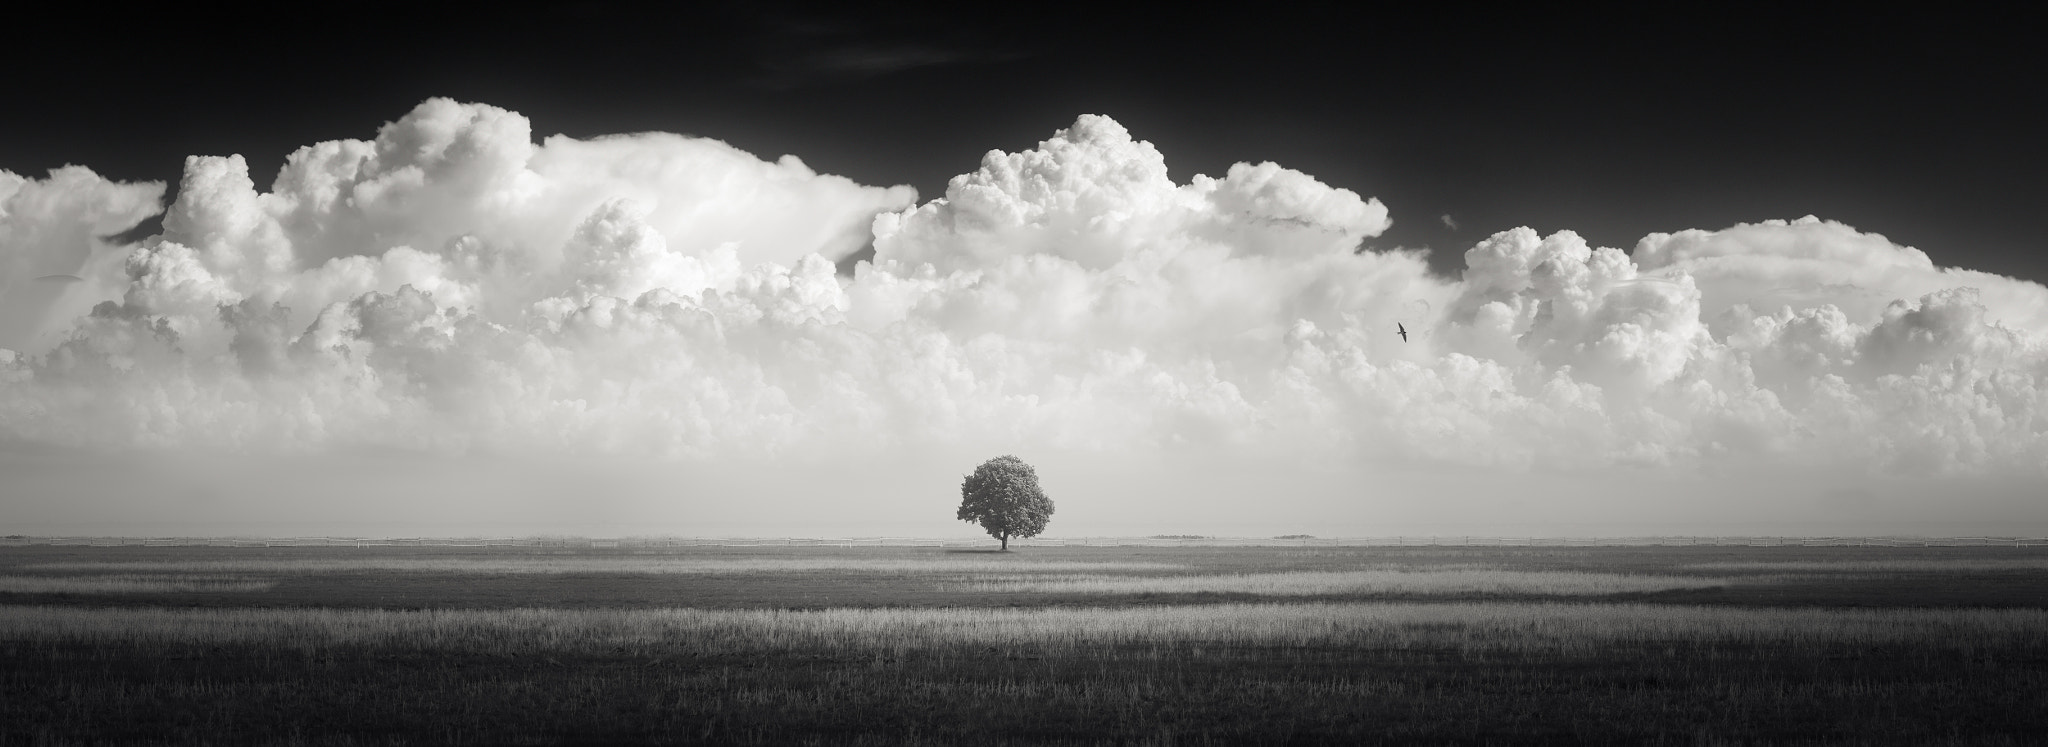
point(1006, 542)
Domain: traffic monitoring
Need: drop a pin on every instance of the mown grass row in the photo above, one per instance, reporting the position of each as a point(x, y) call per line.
point(1955, 565)
point(1551, 629)
point(1454, 582)
point(132, 584)
point(1459, 582)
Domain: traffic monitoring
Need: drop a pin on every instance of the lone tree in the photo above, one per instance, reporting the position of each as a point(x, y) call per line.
point(1003, 497)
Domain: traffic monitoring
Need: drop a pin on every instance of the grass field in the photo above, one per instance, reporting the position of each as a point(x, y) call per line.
point(1675, 645)
point(1437, 582)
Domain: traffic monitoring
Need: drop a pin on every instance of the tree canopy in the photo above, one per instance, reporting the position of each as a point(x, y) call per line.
point(1004, 498)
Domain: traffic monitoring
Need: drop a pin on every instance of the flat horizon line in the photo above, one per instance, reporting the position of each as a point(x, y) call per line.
point(678, 541)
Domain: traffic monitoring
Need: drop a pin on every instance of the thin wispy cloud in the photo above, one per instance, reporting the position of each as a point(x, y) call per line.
point(854, 61)
point(795, 49)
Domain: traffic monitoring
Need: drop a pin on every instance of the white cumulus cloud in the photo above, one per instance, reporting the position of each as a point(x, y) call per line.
point(55, 258)
point(452, 287)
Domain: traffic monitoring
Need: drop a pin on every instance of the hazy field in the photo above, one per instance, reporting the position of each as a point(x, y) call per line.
point(484, 564)
point(1042, 645)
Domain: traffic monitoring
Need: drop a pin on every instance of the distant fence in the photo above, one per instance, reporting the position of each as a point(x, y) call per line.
point(637, 543)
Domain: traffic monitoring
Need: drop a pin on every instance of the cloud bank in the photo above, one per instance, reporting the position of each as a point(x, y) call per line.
point(453, 288)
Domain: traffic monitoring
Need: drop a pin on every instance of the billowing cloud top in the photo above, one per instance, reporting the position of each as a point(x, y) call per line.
point(451, 287)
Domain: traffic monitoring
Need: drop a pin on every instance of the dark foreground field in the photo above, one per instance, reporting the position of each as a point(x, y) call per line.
point(1283, 645)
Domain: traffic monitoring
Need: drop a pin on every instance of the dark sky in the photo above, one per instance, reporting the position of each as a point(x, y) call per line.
point(1923, 126)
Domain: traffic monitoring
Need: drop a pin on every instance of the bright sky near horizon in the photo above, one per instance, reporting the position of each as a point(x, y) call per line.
point(456, 323)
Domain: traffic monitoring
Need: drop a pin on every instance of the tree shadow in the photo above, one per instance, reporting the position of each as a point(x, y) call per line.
point(987, 550)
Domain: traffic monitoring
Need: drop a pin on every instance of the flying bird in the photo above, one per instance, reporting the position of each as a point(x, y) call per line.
point(1404, 330)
